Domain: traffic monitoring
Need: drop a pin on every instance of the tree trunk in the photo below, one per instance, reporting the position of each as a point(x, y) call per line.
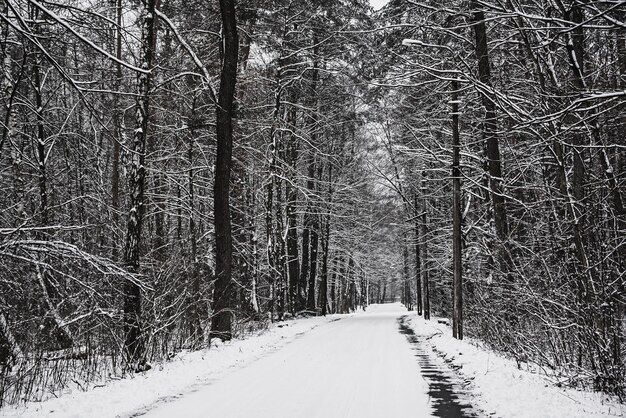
point(117, 127)
point(333, 287)
point(242, 181)
point(296, 299)
point(252, 297)
point(221, 321)
point(352, 292)
point(418, 260)
point(273, 257)
point(323, 291)
point(134, 346)
point(313, 271)
point(494, 164)
point(457, 317)
point(424, 251)
point(309, 240)
point(9, 86)
point(407, 278)
point(311, 222)
point(195, 312)
point(41, 148)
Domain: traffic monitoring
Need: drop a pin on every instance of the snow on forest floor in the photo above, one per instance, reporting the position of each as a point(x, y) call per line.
point(356, 367)
point(184, 373)
point(500, 389)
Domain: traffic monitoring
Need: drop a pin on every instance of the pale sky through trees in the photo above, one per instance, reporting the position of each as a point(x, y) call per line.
point(377, 4)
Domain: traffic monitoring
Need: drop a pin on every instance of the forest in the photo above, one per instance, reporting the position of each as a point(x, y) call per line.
point(174, 172)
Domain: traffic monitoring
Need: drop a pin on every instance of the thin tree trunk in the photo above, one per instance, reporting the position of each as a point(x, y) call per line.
point(313, 271)
point(273, 258)
point(117, 126)
point(195, 314)
point(333, 287)
point(41, 148)
point(418, 259)
point(309, 241)
point(351, 299)
point(457, 317)
point(9, 87)
point(253, 244)
point(323, 292)
point(311, 222)
point(296, 299)
point(134, 345)
point(407, 278)
point(424, 251)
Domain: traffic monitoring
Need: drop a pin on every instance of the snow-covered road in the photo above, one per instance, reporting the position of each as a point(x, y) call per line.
point(385, 362)
point(359, 366)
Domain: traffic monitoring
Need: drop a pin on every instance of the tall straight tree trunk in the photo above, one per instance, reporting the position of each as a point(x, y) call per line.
point(306, 248)
point(494, 164)
point(244, 269)
point(195, 312)
point(323, 291)
point(310, 305)
point(273, 257)
point(309, 241)
point(296, 299)
point(311, 222)
point(575, 194)
point(9, 85)
point(424, 251)
point(221, 321)
point(408, 302)
point(333, 286)
point(41, 147)
point(457, 282)
point(281, 252)
point(418, 260)
point(253, 243)
point(134, 345)
point(117, 126)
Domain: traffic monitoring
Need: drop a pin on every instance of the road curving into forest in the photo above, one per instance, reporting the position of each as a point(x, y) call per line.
point(360, 366)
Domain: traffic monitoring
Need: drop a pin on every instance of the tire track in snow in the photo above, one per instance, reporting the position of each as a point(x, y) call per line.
point(446, 386)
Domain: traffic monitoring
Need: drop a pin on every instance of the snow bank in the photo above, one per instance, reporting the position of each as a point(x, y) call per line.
point(503, 390)
point(183, 374)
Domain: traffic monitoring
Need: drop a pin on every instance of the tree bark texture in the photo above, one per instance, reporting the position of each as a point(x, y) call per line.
point(457, 317)
point(221, 321)
point(424, 251)
point(490, 128)
point(323, 290)
point(418, 260)
point(134, 346)
point(296, 298)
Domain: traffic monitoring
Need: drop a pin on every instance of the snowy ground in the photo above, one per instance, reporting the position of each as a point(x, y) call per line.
point(358, 367)
point(183, 374)
point(335, 367)
point(500, 389)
